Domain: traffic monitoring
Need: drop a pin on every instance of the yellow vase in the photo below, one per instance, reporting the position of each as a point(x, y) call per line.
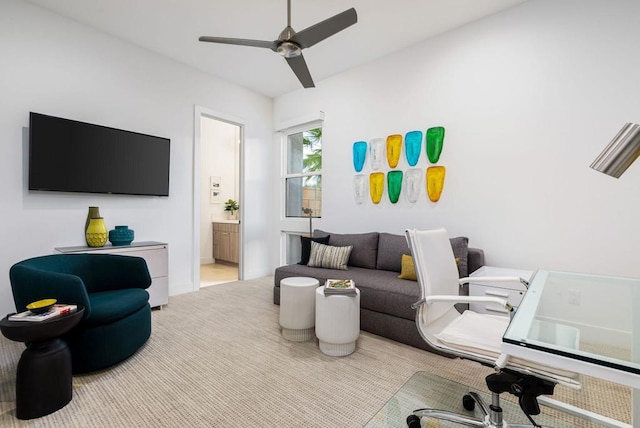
point(97, 233)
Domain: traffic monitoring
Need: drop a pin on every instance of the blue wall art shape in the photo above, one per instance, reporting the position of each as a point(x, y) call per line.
point(360, 190)
point(414, 184)
point(376, 153)
point(413, 146)
point(359, 154)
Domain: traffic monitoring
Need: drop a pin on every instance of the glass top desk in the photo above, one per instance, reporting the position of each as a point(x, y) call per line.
point(603, 310)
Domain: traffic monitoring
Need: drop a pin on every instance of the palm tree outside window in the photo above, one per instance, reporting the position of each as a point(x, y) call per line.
point(303, 179)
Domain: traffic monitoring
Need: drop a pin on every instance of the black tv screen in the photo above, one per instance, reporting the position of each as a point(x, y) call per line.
point(70, 156)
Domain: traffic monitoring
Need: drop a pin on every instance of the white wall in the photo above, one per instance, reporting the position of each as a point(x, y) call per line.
point(528, 98)
point(219, 157)
point(56, 66)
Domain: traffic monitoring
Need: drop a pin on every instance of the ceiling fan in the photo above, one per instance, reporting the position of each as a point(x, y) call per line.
point(290, 43)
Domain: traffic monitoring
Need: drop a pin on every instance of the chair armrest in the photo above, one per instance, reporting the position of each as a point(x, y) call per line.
point(468, 299)
point(30, 284)
point(481, 279)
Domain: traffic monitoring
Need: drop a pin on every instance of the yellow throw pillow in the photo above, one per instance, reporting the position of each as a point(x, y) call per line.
point(408, 270)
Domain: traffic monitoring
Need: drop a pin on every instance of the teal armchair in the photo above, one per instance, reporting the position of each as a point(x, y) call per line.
point(112, 288)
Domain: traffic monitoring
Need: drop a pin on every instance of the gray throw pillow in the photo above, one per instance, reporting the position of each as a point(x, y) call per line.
point(329, 257)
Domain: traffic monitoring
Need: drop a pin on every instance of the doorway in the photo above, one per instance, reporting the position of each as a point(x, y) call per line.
point(219, 232)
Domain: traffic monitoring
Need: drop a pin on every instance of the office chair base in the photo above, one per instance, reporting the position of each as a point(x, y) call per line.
point(491, 415)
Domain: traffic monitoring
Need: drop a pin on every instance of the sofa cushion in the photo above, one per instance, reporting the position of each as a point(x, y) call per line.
point(305, 247)
point(110, 306)
point(328, 256)
point(365, 246)
point(391, 248)
point(380, 290)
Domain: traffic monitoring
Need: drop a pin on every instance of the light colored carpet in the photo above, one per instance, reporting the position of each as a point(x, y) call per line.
point(216, 359)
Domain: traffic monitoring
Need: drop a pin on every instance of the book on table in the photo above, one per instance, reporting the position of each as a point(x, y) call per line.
point(340, 286)
point(55, 311)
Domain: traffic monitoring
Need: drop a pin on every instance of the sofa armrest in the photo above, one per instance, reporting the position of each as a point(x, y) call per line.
point(475, 259)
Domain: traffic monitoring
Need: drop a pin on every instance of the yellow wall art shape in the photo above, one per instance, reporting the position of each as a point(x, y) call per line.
point(394, 147)
point(435, 182)
point(376, 186)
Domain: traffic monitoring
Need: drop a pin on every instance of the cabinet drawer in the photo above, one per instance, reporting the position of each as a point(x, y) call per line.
point(156, 260)
point(225, 227)
point(514, 297)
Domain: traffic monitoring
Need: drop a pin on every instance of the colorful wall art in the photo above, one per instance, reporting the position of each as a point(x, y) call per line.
point(360, 188)
point(394, 147)
point(376, 186)
point(397, 181)
point(435, 182)
point(359, 155)
point(434, 143)
point(413, 146)
point(376, 153)
point(414, 184)
point(394, 185)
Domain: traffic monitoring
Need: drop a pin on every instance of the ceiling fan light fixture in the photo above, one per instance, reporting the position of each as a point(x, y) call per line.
point(289, 49)
point(290, 43)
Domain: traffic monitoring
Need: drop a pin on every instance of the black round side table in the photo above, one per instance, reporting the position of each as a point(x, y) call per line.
point(43, 380)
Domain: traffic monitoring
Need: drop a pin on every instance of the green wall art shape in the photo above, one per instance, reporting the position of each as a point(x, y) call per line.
point(435, 142)
point(413, 146)
point(394, 185)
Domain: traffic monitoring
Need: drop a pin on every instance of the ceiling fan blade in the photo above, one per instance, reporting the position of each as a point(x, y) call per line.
point(299, 67)
point(242, 42)
point(324, 29)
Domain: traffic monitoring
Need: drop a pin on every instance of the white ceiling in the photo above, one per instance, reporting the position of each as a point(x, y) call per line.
point(172, 27)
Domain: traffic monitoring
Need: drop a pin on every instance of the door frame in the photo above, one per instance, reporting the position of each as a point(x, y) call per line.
point(200, 112)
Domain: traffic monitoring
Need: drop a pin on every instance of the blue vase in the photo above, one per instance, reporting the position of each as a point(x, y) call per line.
point(121, 235)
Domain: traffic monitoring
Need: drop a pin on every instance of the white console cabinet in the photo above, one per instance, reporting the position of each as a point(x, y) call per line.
point(512, 291)
point(156, 254)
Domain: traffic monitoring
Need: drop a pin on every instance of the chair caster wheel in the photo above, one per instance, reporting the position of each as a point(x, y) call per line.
point(468, 402)
point(413, 421)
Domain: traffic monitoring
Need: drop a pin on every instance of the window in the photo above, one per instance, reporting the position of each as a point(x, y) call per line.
point(303, 177)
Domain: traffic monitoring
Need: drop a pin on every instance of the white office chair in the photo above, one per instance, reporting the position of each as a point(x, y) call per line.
point(473, 336)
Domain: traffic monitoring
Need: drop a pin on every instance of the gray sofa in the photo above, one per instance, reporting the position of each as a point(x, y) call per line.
point(374, 265)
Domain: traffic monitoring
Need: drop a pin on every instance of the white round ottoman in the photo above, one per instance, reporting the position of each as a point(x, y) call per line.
point(337, 322)
point(297, 308)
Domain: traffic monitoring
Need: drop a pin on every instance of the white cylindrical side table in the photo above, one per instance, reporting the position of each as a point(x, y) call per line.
point(297, 308)
point(337, 322)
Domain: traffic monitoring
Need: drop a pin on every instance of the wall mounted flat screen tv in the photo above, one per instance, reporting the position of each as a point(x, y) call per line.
point(70, 156)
